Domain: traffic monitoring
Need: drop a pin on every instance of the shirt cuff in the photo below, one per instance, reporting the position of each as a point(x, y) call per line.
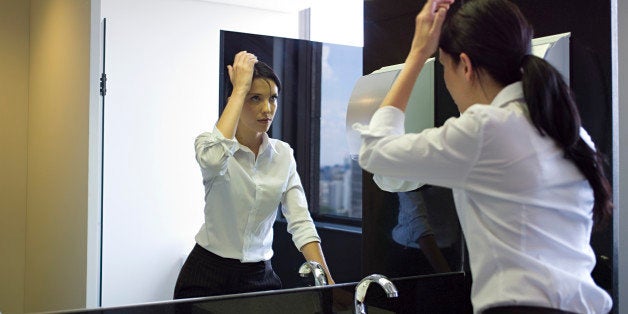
point(230, 145)
point(390, 184)
point(387, 120)
point(299, 243)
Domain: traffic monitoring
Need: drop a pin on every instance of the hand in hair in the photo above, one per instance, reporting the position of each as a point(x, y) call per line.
point(241, 76)
point(428, 24)
point(241, 72)
point(426, 35)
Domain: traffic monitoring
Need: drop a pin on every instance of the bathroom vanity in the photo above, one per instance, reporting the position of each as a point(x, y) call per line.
point(443, 293)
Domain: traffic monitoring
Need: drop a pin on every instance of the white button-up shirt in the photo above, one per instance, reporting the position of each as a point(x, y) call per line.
point(242, 194)
point(525, 210)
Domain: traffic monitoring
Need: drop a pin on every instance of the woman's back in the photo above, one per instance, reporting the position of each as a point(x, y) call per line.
point(526, 213)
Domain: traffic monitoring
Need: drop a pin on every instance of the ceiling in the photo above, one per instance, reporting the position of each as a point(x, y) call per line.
point(271, 5)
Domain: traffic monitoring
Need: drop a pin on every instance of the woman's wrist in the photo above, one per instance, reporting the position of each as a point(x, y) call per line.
point(417, 56)
point(239, 92)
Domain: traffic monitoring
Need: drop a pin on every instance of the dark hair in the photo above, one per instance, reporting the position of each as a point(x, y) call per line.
point(260, 70)
point(497, 38)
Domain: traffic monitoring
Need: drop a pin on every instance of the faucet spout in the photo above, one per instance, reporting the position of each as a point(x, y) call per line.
point(312, 267)
point(362, 287)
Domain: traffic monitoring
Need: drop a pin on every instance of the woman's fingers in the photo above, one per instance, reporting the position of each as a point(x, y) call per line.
point(244, 58)
point(437, 4)
point(241, 72)
point(428, 25)
point(230, 72)
point(432, 7)
point(439, 19)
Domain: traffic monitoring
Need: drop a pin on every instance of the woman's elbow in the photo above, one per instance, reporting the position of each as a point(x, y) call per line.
point(209, 161)
point(365, 160)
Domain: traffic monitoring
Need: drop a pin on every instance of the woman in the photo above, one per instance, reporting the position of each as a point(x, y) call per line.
point(414, 237)
point(246, 175)
point(528, 185)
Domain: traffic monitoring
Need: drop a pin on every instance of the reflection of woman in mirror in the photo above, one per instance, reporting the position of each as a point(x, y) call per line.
point(528, 185)
point(246, 176)
point(414, 232)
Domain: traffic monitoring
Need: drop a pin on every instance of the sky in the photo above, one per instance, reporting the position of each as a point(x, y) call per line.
point(341, 68)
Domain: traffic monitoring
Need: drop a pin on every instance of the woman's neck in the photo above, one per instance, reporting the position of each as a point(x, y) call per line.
point(253, 141)
point(490, 89)
point(484, 91)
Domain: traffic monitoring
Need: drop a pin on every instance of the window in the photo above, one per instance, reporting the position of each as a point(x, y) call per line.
point(340, 177)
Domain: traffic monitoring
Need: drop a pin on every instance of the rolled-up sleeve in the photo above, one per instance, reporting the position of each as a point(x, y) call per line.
point(295, 210)
point(439, 156)
point(391, 184)
point(212, 151)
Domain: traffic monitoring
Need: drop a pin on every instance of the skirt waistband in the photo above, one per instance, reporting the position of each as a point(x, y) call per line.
point(231, 262)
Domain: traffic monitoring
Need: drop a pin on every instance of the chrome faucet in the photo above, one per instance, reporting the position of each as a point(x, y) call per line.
point(363, 285)
point(320, 278)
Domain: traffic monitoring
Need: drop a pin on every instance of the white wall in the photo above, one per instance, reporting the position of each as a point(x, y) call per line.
point(337, 22)
point(94, 176)
point(619, 33)
point(162, 61)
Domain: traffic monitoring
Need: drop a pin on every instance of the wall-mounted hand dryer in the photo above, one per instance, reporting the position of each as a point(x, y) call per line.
point(370, 90)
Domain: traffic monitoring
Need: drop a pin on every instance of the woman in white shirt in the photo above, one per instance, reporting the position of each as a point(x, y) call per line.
point(246, 176)
point(528, 185)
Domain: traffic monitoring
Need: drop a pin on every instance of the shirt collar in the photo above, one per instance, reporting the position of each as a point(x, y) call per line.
point(267, 143)
point(508, 94)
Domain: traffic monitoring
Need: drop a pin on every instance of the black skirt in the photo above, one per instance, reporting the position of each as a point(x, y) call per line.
point(206, 274)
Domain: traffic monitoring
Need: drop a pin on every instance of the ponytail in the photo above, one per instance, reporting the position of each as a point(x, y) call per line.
point(554, 113)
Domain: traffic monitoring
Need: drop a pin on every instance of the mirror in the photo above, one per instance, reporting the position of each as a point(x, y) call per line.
point(157, 49)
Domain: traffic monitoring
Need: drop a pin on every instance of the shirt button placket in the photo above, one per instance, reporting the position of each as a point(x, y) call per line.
point(248, 236)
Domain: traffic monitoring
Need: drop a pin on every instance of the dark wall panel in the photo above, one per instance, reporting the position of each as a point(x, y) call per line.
point(342, 249)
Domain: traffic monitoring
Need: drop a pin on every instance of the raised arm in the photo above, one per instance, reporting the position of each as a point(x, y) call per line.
point(428, 25)
point(241, 76)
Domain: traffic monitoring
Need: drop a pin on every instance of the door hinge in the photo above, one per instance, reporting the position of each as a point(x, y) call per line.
point(103, 84)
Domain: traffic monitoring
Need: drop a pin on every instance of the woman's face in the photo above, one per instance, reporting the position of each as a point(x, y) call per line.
point(259, 107)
